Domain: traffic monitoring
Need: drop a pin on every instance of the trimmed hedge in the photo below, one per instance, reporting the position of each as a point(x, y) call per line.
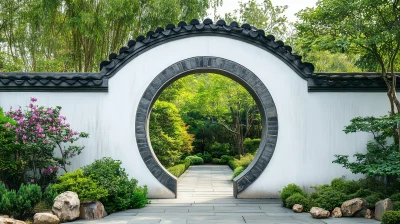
point(195, 160)
point(391, 217)
point(290, 190)
point(232, 164)
point(177, 170)
point(298, 198)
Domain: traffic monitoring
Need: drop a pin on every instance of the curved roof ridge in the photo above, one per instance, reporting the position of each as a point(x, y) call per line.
point(245, 32)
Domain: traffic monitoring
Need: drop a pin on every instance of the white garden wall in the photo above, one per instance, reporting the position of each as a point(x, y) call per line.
point(310, 124)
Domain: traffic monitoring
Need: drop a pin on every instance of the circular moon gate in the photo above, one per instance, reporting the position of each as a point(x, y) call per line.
point(233, 70)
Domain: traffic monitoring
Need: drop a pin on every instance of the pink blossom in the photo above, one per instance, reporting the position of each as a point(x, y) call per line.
point(24, 137)
point(16, 143)
point(70, 155)
point(32, 180)
point(33, 99)
point(67, 124)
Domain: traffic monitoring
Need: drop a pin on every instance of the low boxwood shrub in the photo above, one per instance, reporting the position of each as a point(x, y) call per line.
point(237, 171)
point(122, 191)
point(207, 158)
point(177, 170)
point(186, 162)
point(288, 191)
point(19, 204)
point(373, 199)
point(297, 198)
point(195, 160)
point(345, 186)
point(329, 198)
point(391, 217)
point(225, 159)
point(251, 145)
point(232, 164)
point(49, 195)
point(85, 187)
point(216, 161)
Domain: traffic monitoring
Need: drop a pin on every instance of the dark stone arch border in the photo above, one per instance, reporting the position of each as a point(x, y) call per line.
point(224, 67)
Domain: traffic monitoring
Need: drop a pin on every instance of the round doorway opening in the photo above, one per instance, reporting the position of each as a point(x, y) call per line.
point(212, 123)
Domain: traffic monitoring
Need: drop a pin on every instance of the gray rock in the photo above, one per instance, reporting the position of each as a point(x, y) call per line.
point(319, 213)
point(350, 207)
point(45, 218)
point(381, 207)
point(92, 210)
point(336, 213)
point(66, 206)
point(10, 221)
point(298, 208)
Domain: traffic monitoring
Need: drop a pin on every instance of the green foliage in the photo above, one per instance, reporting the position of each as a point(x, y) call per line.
point(169, 134)
point(177, 170)
point(225, 159)
point(219, 149)
point(251, 145)
point(297, 198)
point(139, 198)
point(381, 158)
point(216, 161)
point(373, 199)
point(187, 163)
point(347, 187)
point(232, 164)
point(19, 204)
point(329, 198)
point(12, 165)
point(79, 26)
point(195, 160)
point(85, 187)
point(391, 217)
point(238, 170)
point(288, 191)
point(245, 160)
point(108, 173)
point(207, 158)
point(396, 201)
point(49, 195)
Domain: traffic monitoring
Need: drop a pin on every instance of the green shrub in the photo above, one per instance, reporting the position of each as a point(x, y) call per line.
point(49, 195)
point(347, 187)
point(297, 198)
point(219, 149)
point(391, 217)
point(251, 145)
point(177, 170)
point(225, 159)
point(396, 201)
point(19, 204)
point(139, 198)
point(109, 174)
point(396, 205)
point(85, 187)
point(199, 155)
point(232, 164)
point(207, 158)
point(186, 162)
point(288, 191)
point(329, 198)
point(195, 160)
point(216, 161)
point(373, 199)
point(237, 171)
point(245, 160)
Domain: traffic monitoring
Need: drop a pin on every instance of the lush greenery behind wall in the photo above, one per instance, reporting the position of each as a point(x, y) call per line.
point(206, 114)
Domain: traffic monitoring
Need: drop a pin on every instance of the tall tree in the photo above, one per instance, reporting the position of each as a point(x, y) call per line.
point(262, 15)
point(370, 28)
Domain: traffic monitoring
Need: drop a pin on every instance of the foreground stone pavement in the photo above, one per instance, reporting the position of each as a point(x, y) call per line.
point(205, 195)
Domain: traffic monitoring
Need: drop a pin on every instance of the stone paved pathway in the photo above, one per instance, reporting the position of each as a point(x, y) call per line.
point(205, 195)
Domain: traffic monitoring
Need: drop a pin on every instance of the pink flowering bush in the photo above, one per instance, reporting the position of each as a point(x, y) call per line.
point(41, 131)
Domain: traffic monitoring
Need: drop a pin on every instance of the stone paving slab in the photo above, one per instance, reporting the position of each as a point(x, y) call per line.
point(214, 204)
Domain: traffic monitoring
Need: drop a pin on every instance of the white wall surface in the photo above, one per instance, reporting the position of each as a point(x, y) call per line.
point(310, 124)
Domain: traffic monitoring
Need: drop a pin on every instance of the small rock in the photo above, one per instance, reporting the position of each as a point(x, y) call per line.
point(10, 221)
point(298, 208)
point(381, 207)
point(350, 207)
point(336, 213)
point(368, 214)
point(66, 206)
point(92, 210)
point(319, 213)
point(45, 218)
